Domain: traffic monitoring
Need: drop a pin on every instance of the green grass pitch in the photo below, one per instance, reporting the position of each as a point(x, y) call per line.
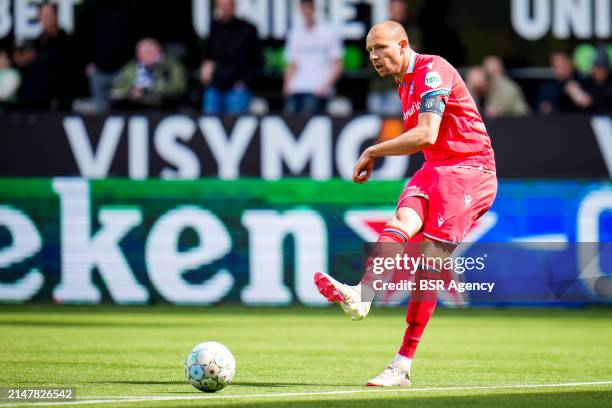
point(310, 357)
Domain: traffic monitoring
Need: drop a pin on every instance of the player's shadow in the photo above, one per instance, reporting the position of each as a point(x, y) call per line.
point(262, 384)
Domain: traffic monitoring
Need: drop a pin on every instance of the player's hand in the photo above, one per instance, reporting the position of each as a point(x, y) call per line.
point(323, 91)
point(206, 72)
point(363, 168)
point(90, 69)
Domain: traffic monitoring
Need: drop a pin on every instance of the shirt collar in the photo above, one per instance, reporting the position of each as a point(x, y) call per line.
point(411, 66)
point(412, 63)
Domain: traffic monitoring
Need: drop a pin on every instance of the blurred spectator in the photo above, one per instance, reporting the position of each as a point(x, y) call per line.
point(478, 85)
point(31, 93)
point(9, 80)
point(314, 55)
point(151, 80)
point(232, 61)
point(108, 31)
point(564, 93)
point(400, 11)
point(599, 85)
point(54, 54)
point(504, 96)
point(382, 95)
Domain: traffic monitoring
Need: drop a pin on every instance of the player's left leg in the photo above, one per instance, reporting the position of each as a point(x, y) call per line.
point(357, 300)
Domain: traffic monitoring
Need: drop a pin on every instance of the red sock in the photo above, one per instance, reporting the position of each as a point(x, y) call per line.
point(393, 240)
point(420, 309)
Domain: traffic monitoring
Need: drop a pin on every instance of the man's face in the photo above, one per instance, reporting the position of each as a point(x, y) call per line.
point(385, 52)
point(493, 66)
point(476, 81)
point(148, 53)
point(47, 18)
point(308, 12)
point(225, 9)
point(398, 11)
point(562, 66)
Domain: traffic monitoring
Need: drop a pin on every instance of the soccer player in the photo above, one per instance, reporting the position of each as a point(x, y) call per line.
point(456, 185)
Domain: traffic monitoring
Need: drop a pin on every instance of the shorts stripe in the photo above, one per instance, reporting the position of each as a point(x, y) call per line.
point(424, 195)
point(439, 239)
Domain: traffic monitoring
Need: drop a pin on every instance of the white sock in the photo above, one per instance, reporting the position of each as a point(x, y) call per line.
point(404, 363)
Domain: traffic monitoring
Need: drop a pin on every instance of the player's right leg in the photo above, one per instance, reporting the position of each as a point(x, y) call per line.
point(354, 300)
point(420, 309)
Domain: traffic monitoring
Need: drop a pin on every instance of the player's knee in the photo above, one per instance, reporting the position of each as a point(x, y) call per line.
point(408, 220)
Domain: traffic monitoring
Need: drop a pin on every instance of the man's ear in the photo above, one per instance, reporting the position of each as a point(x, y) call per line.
point(403, 45)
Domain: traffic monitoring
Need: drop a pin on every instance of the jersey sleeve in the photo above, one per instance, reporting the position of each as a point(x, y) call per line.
point(432, 86)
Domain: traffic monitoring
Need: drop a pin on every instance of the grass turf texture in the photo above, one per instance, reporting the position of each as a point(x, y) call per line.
point(111, 351)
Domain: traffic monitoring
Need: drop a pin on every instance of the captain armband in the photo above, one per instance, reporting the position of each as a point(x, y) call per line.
point(433, 102)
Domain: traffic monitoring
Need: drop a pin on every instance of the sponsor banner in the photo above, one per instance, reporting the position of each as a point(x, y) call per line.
point(70, 240)
point(178, 146)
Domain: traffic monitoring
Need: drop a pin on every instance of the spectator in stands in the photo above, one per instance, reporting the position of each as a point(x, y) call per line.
point(599, 85)
point(31, 94)
point(314, 55)
point(232, 61)
point(108, 30)
point(151, 80)
point(54, 54)
point(9, 80)
point(46, 65)
point(504, 96)
point(563, 93)
point(382, 95)
point(478, 85)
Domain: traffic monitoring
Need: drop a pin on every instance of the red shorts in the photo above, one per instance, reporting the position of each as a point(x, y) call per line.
point(457, 196)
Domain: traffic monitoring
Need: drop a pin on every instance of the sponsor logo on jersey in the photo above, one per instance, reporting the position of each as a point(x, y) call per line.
point(433, 79)
point(416, 106)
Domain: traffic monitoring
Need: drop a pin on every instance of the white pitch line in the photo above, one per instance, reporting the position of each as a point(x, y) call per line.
point(124, 399)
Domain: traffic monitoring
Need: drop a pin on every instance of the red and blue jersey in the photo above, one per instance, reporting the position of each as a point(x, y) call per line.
point(462, 138)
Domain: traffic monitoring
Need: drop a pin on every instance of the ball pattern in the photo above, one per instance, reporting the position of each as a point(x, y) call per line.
point(210, 366)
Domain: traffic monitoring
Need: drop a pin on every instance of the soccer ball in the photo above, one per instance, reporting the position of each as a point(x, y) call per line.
point(210, 366)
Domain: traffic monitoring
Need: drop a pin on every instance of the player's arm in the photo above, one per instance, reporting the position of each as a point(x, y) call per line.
point(416, 139)
point(422, 136)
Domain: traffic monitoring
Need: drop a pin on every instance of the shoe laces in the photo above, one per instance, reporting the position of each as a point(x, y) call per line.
point(392, 372)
